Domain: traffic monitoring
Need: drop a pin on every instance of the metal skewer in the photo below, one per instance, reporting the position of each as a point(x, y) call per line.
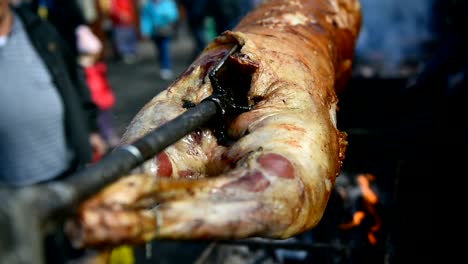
point(34, 211)
point(67, 194)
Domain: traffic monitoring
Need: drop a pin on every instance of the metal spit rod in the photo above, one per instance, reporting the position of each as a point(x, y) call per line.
point(64, 196)
point(32, 212)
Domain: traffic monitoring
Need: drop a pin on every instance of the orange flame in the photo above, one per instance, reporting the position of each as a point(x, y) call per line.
point(370, 201)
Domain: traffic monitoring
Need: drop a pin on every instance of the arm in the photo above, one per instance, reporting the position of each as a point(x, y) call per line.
point(146, 23)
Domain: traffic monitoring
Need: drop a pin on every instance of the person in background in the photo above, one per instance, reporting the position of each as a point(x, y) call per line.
point(223, 14)
point(38, 69)
point(71, 18)
point(90, 44)
point(123, 16)
point(93, 12)
point(65, 15)
point(48, 127)
point(158, 21)
point(196, 15)
point(87, 48)
point(227, 13)
point(102, 94)
point(105, 26)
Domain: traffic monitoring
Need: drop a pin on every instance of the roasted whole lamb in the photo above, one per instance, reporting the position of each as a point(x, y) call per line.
point(272, 173)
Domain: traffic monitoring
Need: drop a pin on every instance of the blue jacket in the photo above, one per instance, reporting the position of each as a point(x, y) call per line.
point(157, 13)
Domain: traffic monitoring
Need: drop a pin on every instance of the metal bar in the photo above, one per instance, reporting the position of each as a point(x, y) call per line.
point(62, 197)
point(39, 209)
point(291, 245)
point(335, 248)
point(220, 64)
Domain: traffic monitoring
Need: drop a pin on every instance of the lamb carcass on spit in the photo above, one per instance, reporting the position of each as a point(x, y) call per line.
point(274, 175)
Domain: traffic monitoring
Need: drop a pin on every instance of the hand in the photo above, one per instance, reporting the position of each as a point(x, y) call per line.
point(98, 144)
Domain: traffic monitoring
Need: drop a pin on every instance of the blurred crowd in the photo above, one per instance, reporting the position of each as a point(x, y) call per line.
point(121, 24)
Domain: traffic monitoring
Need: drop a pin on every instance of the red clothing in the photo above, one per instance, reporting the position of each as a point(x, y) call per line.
point(123, 12)
point(101, 91)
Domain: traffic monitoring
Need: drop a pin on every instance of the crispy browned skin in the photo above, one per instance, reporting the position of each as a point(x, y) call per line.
point(275, 179)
